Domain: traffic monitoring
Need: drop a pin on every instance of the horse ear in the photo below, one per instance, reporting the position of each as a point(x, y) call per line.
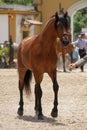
point(56, 16)
point(66, 14)
point(56, 19)
point(67, 17)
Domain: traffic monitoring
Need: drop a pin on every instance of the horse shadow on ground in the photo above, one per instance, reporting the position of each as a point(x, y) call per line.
point(49, 120)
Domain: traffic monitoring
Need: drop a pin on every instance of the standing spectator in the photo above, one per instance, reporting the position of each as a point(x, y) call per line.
point(81, 43)
point(11, 52)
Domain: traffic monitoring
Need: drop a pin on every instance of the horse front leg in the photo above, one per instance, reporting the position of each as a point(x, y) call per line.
point(54, 112)
point(38, 95)
point(20, 109)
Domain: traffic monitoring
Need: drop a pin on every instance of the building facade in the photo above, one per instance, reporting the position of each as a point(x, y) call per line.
point(11, 17)
point(11, 22)
point(46, 8)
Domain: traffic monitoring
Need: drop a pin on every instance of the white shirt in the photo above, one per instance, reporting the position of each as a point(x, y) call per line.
point(80, 43)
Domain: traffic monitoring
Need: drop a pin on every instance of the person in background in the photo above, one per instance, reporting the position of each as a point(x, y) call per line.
point(78, 63)
point(11, 52)
point(81, 43)
point(5, 43)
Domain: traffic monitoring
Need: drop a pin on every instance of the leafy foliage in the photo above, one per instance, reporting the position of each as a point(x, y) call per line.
point(4, 51)
point(80, 21)
point(21, 2)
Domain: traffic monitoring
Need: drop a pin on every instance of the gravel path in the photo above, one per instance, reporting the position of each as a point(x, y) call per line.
point(72, 103)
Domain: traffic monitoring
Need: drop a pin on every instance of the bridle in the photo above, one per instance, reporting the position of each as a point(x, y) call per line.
point(64, 36)
point(65, 39)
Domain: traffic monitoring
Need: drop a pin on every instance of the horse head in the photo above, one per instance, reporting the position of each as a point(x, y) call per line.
point(62, 26)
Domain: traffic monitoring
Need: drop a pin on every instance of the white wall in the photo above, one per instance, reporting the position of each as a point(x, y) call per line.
point(18, 31)
point(18, 27)
point(3, 28)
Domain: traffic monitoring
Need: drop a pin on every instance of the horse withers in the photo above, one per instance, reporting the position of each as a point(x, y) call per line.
point(37, 54)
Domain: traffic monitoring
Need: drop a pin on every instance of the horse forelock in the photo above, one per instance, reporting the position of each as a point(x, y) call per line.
point(65, 22)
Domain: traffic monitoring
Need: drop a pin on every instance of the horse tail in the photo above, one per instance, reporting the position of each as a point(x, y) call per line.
point(27, 80)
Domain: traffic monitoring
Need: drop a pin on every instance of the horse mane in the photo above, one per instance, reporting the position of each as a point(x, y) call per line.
point(55, 19)
point(50, 20)
point(65, 20)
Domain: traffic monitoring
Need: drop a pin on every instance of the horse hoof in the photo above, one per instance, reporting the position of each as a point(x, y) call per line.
point(64, 70)
point(20, 112)
point(40, 117)
point(54, 113)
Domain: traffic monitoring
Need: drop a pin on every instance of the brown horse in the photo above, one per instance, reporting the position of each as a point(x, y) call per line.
point(64, 49)
point(37, 54)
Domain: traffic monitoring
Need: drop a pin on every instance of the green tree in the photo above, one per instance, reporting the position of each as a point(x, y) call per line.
point(21, 2)
point(80, 21)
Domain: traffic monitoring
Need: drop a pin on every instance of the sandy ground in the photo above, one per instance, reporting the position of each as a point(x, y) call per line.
point(72, 103)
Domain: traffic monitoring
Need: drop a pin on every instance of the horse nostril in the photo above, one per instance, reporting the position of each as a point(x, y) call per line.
point(65, 42)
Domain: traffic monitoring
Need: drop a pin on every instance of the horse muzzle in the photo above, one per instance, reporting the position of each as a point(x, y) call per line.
point(65, 41)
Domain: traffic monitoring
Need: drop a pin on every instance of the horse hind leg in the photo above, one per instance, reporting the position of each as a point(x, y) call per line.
point(25, 78)
point(21, 103)
point(63, 57)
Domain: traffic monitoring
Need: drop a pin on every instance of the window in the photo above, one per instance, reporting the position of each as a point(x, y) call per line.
point(25, 34)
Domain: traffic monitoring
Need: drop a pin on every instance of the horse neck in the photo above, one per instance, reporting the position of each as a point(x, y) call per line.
point(48, 34)
point(49, 31)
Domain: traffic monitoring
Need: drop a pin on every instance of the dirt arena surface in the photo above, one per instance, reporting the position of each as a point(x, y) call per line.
point(72, 103)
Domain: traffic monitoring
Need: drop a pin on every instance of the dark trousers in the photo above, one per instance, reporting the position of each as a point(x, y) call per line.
point(82, 53)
